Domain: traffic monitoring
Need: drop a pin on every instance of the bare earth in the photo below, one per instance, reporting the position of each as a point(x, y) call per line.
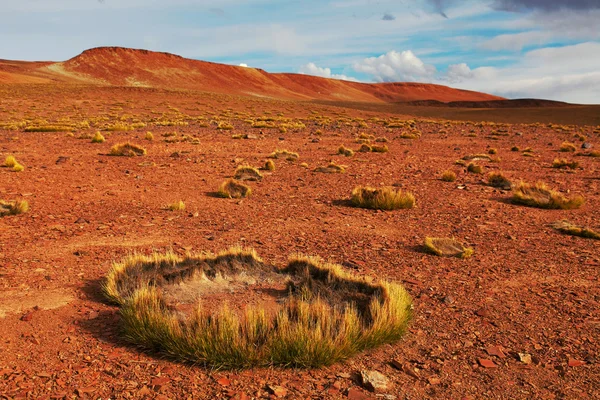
point(527, 289)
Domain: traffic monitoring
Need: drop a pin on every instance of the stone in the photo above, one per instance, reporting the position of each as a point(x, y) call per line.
point(374, 381)
point(355, 394)
point(575, 363)
point(484, 362)
point(495, 351)
point(525, 358)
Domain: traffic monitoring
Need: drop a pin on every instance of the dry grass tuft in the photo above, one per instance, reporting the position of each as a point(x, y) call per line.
point(563, 163)
point(386, 198)
point(149, 136)
point(11, 162)
point(269, 165)
point(177, 206)
point(379, 149)
point(345, 151)
point(13, 207)
point(540, 196)
point(498, 180)
point(247, 173)
point(98, 138)
point(127, 150)
point(448, 176)
point(327, 316)
point(493, 151)
point(570, 229)
point(567, 147)
point(515, 148)
point(332, 168)
point(447, 247)
point(365, 148)
point(234, 190)
point(288, 155)
point(474, 168)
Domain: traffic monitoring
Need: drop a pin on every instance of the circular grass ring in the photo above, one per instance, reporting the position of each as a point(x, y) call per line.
point(308, 314)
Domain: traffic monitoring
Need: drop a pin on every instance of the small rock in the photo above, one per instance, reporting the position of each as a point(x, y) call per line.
point(434, 380)
point(27, 316)
point(223, 381)
point(355, 394)
point(278, 390)
point(575, 363)
point(448, 299)
point(485, 363)
point(374, 381)
point(586, 145)
point(482, 312)
point(495, 351)
point(525, 358)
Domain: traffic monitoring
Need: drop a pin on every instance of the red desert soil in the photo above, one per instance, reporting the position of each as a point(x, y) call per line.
point(520, 319)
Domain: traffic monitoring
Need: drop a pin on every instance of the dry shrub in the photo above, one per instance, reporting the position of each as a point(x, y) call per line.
point(379, 149)
point(127, 150)
point(498, 180)
point(563, 163)
point(149, 136)
point(540, 196)
point(448, 176)
point(11, 162)
point(332, 168)
point(515, 148)
point(386, 198)
point(177, 206)
point(247, 173)
point(345, 151)
point(365, 148)
point(269, 165)
point(327, 316)
point(474, 168)
point(234, 190)
point(567, 147)
point(493, 151)
point(288, 155)
point(447, 247)
point(13, 207)
point(570, 229)
point(98, 138)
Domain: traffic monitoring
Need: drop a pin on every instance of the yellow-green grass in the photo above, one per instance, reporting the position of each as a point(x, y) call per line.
point(12, 163)
point(127, 150)
point(385, 198)
point(247, 173)
point(570, 229)
point(177, 206)
point(13, 207)
point(286, 154)
point(98, 138)
point(327, 316)
point(562, 163)
point(448, 176)
point(567, 147)
point(474, 168)
point(498, 180)
point(345, 151)
point(269, 165)
point(149, 136)
point(233, 189)
point(49, 128)
point(332, 168)
point(540, 196)
point(447, 247)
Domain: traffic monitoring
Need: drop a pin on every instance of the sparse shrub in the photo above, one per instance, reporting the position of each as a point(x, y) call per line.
point(567, 147)
point(448, 176)
point(540, 196)
point(149, 136)
point(594, 153)
point(177, 206)
point(345, 151)
point(447, 247)
point(269, 165)
point(98, 138)
point(225, 126)
point(13, 207)
point(563, 163)
point(386, 198)
point(127, 150)
point(320, 322)
point(381, 140)
point(379, 149)
point(474, 168)
point(304, 165)
point(234, 190)
point(49, 128)
point(410, 135)
point(574, 230)
point(11, 162)
point(332, 168)
point(247, 173)
point(515, 148)
point(498, 180)
point(288, 155)
point(365, 148)
point(493, 151)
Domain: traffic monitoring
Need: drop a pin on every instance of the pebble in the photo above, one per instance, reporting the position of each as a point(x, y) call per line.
point(374, 381)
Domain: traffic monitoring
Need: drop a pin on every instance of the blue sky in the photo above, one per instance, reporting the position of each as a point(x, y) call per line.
point(514, 48)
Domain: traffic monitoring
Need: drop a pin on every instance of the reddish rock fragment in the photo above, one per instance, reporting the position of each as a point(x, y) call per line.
point(575, 363)
point(484, 362)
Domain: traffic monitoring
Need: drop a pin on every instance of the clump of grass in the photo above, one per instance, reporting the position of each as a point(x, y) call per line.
point(563, 163)
point(269, 165)
point(304, 165)
point(447, 247)
point(493, 151)
point(11, 162)
point(448, 176)
point(365, 148)
point(332, 168)
point(379, 149)
point(13, 207)
point(288, 155)
point(49, 128)
point(149, 136)
point(233, 189)
point(345, 151)
point(328, 314)
point(226, 126)
point(498, 180)
point(540, 196)
point(386, 198)
point(570, 229)
point(474, 168)
point(247, 173)
point(515, 148)
point(410, 135)
point(381, 140)
point(98, 138)
point(567, 147)
point(127, 150)
point(177, 206)
point(594, 153)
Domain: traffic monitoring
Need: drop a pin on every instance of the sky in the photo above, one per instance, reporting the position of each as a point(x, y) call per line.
point(546, 49)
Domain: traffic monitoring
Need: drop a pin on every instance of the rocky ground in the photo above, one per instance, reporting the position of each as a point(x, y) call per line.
point(518, 320)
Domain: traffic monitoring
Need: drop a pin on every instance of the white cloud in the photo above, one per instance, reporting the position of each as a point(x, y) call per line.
point(313, 69)
point(516, 41)
point(395, 66)
point(244, 65)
